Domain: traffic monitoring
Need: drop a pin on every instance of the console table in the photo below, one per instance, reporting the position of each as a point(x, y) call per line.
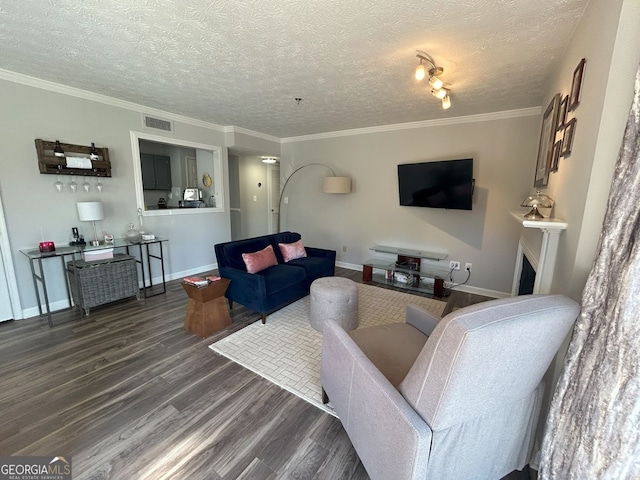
point(36, 257)
point(407, 266)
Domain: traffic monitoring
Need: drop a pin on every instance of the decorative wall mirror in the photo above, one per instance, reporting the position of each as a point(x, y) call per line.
point(176, 176)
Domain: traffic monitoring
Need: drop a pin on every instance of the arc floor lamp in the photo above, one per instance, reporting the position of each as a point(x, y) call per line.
point(330, 184)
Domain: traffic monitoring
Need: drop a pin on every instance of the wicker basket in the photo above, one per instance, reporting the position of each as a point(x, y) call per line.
point(103, 281)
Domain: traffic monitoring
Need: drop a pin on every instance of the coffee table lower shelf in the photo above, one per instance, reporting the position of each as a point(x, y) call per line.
point(415, 278)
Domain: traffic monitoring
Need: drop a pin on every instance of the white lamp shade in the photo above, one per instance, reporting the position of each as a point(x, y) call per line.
point(90, 211)
point(336, 185)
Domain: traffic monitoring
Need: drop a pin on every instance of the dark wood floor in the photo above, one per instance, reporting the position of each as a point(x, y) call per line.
point(129, 394)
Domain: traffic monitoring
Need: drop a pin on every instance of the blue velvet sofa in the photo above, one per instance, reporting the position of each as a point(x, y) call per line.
point(278, 285)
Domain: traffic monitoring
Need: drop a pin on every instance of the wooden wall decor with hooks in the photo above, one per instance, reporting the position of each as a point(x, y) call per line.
point(50, 164)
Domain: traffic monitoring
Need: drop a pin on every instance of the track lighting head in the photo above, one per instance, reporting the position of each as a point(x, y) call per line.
point(440, 93)
point(435, 82)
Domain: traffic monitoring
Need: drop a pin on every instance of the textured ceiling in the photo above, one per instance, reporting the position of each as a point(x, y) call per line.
point(242, 63)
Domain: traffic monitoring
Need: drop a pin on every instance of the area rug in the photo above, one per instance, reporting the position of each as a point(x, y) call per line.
point(287, 350)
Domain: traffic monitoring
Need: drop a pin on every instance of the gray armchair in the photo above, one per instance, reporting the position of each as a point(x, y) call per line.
point(451, 398)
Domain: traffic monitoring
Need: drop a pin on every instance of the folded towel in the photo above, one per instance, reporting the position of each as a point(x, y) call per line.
point(79, 162)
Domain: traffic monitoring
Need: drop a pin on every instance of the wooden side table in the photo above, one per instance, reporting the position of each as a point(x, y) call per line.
point(207, 311)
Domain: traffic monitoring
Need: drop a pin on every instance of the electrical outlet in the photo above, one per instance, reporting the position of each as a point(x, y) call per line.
point(344, 248)
point(467, 267)
point(454, 265)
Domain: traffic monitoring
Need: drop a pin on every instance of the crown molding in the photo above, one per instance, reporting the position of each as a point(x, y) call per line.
point(97, 97)
point(104, 99)
point(482, 117)
point(245, 131)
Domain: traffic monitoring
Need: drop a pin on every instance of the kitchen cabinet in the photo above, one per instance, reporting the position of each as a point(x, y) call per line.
point(156, 172)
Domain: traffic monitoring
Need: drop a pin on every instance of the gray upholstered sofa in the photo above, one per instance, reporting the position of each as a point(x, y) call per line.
point(450, 398)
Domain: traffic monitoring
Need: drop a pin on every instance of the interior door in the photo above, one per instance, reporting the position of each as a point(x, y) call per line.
point(274, 196)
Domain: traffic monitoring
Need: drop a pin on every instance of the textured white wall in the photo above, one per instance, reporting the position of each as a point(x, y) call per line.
point(504, 152)
point(35, 211)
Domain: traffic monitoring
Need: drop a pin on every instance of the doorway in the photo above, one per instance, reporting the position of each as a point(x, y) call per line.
point(254, 193)
point(273, 184)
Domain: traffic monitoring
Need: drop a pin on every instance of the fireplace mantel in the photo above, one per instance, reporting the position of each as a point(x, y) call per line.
point(541, 256)
point(542, 224)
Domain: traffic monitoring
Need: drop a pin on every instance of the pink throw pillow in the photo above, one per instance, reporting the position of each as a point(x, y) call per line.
point(258, 261)
point(291, 251)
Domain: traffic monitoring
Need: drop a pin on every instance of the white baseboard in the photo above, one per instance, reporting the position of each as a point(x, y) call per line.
point(350, 266)
point(157, 280)
point(186, 273)
point(482, 291)
point(54, 306)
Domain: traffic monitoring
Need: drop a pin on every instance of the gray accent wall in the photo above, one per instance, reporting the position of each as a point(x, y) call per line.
point(35, 211)
point(504, 150)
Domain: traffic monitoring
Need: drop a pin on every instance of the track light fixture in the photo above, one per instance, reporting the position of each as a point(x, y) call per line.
point(434, 79)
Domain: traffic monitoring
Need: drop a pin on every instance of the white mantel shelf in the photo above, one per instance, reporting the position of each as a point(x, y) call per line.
point(543, 223)
point(542, 261)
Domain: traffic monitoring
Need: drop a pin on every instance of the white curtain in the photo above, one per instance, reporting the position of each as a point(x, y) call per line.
point(593, 428)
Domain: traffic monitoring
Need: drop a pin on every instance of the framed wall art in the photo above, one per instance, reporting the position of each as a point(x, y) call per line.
point(555, 155)
point(567, 141)
point(547, 140)
point(576, 86)
point(562, 112)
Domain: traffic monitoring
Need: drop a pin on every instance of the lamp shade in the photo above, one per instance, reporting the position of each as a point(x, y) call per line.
point(90, 211)
point(336, 185)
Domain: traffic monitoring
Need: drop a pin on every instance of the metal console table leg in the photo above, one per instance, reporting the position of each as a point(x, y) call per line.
point(146, 253)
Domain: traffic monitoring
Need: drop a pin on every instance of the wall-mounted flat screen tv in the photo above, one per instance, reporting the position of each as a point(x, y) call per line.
point(444, 184)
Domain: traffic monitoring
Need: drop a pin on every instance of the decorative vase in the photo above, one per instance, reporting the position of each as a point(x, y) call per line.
point(132, 234)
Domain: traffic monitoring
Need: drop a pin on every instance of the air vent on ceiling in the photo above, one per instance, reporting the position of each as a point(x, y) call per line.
point(158, 123)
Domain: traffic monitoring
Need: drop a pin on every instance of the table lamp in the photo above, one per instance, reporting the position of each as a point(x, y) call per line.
point(90, 212)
